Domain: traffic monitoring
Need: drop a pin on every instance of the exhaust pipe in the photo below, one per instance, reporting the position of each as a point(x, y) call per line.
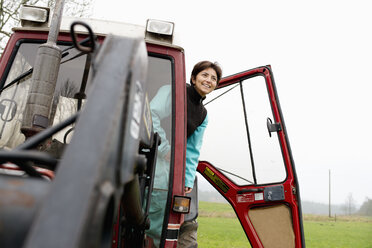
point(44, 79)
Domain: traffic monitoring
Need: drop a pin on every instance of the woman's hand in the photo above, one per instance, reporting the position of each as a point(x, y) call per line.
point(188, 190)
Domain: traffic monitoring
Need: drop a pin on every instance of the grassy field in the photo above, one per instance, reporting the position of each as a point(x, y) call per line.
point(219, 228)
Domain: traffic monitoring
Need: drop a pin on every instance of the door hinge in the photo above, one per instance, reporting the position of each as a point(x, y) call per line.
point(294, 190)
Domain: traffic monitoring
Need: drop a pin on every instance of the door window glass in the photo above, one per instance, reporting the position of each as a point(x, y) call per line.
point(225, 141)
point(159, 88)
point(237, 140)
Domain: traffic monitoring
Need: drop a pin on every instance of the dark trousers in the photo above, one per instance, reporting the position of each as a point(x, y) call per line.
point(188, 235)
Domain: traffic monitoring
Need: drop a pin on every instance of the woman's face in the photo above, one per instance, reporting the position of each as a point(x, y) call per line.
point(205, 81)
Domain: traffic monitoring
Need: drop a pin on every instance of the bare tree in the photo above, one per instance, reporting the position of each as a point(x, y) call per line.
point(349, 206)
point(9, 10)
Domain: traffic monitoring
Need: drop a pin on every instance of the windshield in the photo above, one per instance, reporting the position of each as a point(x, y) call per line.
point(13, 98)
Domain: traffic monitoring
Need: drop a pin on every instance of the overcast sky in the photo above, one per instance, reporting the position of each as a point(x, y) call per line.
point(321, 56)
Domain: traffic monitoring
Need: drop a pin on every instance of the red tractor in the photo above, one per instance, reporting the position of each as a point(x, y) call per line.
point(78, 149)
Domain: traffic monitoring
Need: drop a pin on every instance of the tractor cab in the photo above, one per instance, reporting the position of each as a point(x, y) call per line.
point(246, 154)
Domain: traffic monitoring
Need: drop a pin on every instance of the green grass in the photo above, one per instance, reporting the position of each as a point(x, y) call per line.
point(212, 209)
point(220, 232)
point(338, 234)
point(219, 227)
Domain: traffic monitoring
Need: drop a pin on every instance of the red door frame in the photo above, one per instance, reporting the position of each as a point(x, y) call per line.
point(177, 176)
point(230, 191)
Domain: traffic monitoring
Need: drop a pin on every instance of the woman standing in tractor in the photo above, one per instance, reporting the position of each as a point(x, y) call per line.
point(205, 77)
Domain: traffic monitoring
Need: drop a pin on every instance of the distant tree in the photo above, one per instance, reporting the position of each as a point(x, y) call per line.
point(9, 11)
point(366, 208)
point(349, 206)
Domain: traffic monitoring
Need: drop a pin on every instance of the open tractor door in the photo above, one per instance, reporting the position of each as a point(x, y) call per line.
point(249, 159)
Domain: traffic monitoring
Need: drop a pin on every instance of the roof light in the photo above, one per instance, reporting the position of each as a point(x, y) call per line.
point(160, 27)
point(33, 14)
point(159, 30)
point(181, 204)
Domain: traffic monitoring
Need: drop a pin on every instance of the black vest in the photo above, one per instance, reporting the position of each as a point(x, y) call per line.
point(196, 111)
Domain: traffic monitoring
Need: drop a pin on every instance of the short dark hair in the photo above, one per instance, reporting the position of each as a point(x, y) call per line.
point(202, 65)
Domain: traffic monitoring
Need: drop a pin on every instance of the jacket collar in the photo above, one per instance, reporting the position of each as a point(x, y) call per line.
point(194, 95)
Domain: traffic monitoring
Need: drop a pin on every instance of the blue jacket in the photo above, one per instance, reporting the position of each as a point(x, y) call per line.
point(161, 108)
point(194, 144)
